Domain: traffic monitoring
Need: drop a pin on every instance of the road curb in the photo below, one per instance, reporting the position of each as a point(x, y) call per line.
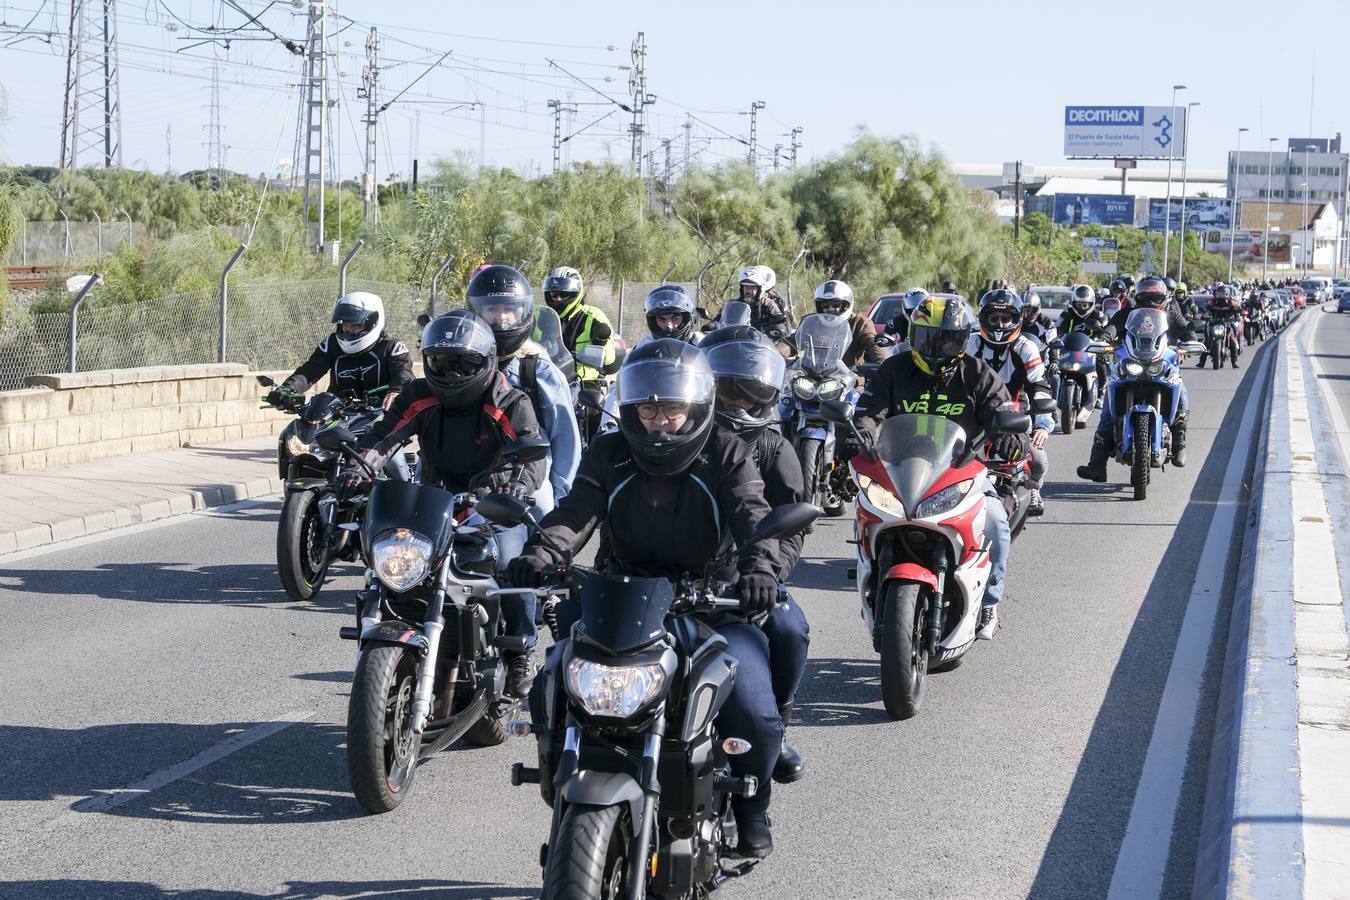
point(205, 497)
point(1251, 841)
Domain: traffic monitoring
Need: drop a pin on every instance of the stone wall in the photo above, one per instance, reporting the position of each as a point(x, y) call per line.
point(63, 419)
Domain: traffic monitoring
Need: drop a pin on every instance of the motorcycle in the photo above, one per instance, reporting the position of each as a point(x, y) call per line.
point(310, 536)
point(1077, 379)
point(1144, 394)
point(430, 628)
point(1220, 342)
point(624, 714)
point(819, 375)
point(923, 559)
point(1253, 327)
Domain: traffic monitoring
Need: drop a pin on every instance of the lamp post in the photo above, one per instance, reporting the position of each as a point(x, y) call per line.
point(1265, 234)
point(1233, 203)
point(1185, 157)
point(1167, 216)
point(1307, 232)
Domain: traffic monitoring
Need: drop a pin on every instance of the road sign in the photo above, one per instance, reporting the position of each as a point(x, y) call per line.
point(1146, 250)
point(1124, 132)
point(1099, 255)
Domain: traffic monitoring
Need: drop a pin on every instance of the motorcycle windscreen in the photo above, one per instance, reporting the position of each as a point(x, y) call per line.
point(427, 510)
point(735, 312)
point(622, 615)
point(916, 450)
point(1146, 334)
point(1076, 341)
point(821, 342)
point(548, 334)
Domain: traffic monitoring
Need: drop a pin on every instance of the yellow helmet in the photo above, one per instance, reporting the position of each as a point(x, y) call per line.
point(939, 330)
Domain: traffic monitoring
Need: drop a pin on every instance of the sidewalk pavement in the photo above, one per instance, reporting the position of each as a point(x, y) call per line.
point(53, 505)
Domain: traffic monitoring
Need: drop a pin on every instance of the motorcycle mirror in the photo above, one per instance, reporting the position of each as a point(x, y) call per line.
point(702, 313)
point(591, 355)
point(836, 411)
point(503, 509)
point(786, 520)
point(885, 341)
point(591, 399)
point(526, 450)
point(1098, 347)
point(1007, 421)
point(265, 381)
point(423, 320)
point(1193, 347)
point(1043, 406)
point(335, 438)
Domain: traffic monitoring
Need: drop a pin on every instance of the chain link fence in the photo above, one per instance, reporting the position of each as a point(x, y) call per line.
point(625, 306)
point(56, 243)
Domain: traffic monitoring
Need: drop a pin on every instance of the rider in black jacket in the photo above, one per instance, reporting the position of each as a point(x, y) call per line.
point(357, 356)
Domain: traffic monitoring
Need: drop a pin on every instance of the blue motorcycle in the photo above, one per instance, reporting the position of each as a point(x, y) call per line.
point(1143, 395)
point(819, 374)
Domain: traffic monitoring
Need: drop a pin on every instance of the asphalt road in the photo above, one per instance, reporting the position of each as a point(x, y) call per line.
point(1331, 349)
point(168, 661)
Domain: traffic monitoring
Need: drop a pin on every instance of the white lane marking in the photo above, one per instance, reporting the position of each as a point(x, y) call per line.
point(210, 755)
point(139, 527)
point(1148, 835)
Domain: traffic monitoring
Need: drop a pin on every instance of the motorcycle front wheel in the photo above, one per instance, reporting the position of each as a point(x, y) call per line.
point(382, 749)
point(589, 861)
point(1068, 415)
point(1141, 465)
point(302, 556)
point(904, 658)
point(808, 453)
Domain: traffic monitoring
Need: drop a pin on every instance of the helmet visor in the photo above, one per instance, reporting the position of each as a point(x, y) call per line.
point(663, 381)
point(746, 361)
point(504, 313)
point(453, 363)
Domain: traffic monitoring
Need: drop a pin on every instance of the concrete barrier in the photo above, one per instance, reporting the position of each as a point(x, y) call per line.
point(59, 420)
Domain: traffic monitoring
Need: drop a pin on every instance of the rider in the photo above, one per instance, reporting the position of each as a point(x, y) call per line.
point(462, 412)
point(836, 298)
point(502, 297)
point(1002, 344)
point(749, 371)
point(672, 491)
point(357, 356)
point(582, 325)
point(1224, 308)
point(1255, 309)
point(970, 393)
point(899, 326)
point(1152, 294)
point(1182, 296)
point(671, 313)
point(1082, 313)
point(767, 308)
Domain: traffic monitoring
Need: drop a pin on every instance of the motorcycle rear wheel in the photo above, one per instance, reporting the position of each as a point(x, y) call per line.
point(904, 658)
point(589, 861)
point(1140, 465)
point(382, 750)
point(302, 560)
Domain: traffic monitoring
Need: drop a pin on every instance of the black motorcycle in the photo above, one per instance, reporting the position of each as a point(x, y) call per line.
point(430, 631)
point(623, 713)
point(310, 536)
point(1221, 343)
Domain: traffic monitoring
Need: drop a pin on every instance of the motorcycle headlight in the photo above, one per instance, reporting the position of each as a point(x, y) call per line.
point(401, 558)
point(617, 691)
point(879, 497)
point(1072, 367)
point(830, 389)
point(804, 387)
point(1132, 368)
point(295, 446)
point(1157, 367)
point(944, 500)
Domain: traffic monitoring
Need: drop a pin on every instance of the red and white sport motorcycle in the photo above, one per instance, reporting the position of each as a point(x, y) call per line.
point(923, 556)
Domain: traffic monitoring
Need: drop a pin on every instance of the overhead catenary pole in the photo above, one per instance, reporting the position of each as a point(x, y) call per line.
point(91, 121)
point(558, 108)
point(777, 155)
point(1167, 213)
point(1185, 155)
point(637, 85)
point(1233, 203)
point(688, 127)
point(796, 144)
point(1017, 201)
point(752, 155)
point(370, 79)
point(314, 111)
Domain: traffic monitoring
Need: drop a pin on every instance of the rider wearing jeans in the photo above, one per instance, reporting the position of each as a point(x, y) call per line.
point(1224, 308)
point(937, 377)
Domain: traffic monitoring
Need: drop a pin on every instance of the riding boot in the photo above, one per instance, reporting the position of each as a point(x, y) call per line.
point(519, 674)
point(1233, 355)
point(790, 766)
point(1095, 470)
point(1179, 441)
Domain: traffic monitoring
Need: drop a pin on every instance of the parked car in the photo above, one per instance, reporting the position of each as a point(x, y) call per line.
point(1053, 296)
point(884, 310)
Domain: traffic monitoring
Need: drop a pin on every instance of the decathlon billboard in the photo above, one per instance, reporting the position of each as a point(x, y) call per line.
point(1124, 132)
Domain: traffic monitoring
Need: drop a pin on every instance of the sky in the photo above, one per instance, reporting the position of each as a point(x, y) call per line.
point(983, 82)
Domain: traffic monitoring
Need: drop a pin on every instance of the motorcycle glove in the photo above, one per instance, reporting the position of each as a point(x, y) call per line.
point(352, 483)
point(1011, 447)
point(520, 492)
point(274, 397)
point(526, 570)
point(759, 592)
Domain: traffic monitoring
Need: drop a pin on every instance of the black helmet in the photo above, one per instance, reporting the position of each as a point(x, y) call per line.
point(1171, 284)
point(504, 299)
point(1129, 282)
point(459, 357)
point(1117, 287)
point(939, 331)
point(1000, 302)
point(1084, 299)
point(562, 288)
point(746, 366)
point(666, 371)
point(1221, 292)
point(670, 299)
point(949, 287)
point(1151, 293)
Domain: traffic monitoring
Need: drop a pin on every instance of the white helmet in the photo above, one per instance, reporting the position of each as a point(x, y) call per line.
point(365, 310)
point(835, 292)
point(760, 276)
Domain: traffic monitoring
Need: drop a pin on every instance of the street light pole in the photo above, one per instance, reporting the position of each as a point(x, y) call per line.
point(1306, 230)
point(1265, 234)
point(1185, 157)
point(1233, 203)
point(1167, 215)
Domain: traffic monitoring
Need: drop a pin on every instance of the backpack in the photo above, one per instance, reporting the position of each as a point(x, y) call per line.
point(529, 383)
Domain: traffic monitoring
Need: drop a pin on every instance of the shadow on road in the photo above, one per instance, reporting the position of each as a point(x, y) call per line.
point(840, 692)
point(1080, 857)
point(825, 574)
point(408, 889)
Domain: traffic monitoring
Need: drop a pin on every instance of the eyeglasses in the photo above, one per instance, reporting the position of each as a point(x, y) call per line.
point(673, 410)
point(832, 306)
